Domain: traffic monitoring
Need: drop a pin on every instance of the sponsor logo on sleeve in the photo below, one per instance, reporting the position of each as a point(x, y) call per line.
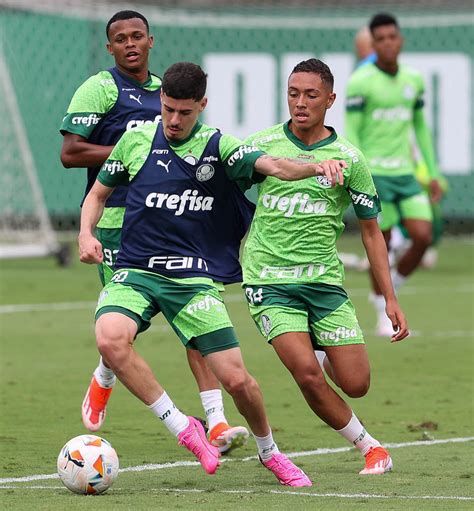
point(240, 153)
point(86, 120)
point(113, 167)
point(362, 199)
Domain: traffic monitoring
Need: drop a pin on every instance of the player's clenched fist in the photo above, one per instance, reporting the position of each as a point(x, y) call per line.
point(90, 249)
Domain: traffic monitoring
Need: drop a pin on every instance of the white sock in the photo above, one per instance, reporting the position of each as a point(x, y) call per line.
point(397, 280)
point(213, 407)
point(104, 375)
point(321, 356)
point(356, 434)
point(266, 446)
point(167, 412)
point(379, 304)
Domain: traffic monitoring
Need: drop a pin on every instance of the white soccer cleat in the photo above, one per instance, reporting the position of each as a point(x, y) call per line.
point(226, 438)
point(384, 327)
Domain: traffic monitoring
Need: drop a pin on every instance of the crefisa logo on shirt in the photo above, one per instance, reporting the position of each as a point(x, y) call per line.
point(204, 172)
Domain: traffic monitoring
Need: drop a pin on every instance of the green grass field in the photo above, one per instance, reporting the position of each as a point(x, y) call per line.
point(421, 393)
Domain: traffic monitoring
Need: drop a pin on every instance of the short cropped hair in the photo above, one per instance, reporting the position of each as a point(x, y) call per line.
point(380, 20)
point(318, 67)
point(184, 80)
point(126, 15)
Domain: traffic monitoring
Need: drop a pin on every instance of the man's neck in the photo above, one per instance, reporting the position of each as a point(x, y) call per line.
point(312, 136)
point(140, 76)
point(388, 67)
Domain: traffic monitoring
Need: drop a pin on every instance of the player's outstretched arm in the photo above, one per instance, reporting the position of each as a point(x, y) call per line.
point(425, 143)
point(376, 250)
point(76, 151)
point(90, 249)
point(294, 170)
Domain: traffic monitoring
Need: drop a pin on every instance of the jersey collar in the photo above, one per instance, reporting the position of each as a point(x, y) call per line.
point(146, 83)
point(179, 143)
point(386, 72)
point(325, 141)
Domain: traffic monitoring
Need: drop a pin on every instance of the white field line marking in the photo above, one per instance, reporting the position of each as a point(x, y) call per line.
point(161, 466)
point(339, 495)
point(277, 492)
point(229, 298)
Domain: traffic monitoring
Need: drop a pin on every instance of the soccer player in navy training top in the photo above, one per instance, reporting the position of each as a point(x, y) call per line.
point(103, 108)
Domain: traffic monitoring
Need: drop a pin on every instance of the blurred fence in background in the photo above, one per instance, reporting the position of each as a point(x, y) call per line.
point(248, 49)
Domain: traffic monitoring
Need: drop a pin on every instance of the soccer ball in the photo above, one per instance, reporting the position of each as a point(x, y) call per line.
point(88, 464)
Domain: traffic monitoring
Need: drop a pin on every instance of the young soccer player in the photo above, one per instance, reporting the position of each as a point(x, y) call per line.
point(107, 105)
point(292, 274)
point(384, 107)
point(185, 217)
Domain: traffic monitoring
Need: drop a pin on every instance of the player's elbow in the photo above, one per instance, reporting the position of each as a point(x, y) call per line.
point(67, 159)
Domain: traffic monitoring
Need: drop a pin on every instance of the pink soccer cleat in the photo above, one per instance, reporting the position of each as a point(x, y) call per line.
point(286, 471)
point(194, 439)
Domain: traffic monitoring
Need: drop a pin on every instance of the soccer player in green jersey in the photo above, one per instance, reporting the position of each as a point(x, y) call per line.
point(292, 274)
point(384, 106)
point(102, 109)
point(185, 217)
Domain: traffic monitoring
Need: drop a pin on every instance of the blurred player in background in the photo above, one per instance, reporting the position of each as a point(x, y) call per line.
point(104, 107)
point(292, 274)
point(363, 47)
point(185, 218)
point(384, 106)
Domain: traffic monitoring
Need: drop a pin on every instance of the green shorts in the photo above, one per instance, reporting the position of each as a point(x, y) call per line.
point(401, 197)
point(322, 310)
point(110, 240)
point(193, 307)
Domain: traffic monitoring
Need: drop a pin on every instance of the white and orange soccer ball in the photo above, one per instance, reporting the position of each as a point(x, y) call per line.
point(88, 464)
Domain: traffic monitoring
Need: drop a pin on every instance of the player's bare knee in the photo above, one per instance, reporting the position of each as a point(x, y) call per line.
point(112, 344)
point(355, 388)
point(423, 239)
point(310, 381)
point(238, 383)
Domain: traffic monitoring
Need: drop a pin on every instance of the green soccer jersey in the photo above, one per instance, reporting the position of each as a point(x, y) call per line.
point(132, 150)
point(296, 224)
point(380, 117)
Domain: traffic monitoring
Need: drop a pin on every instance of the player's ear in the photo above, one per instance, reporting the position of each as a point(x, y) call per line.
point(331, 99)
point(151, 41)
point(203, 104)
point(109, 48)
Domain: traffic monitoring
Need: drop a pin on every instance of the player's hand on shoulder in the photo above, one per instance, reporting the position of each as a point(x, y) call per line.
point(90, 249)
point(333, 170)
point(399, 322)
